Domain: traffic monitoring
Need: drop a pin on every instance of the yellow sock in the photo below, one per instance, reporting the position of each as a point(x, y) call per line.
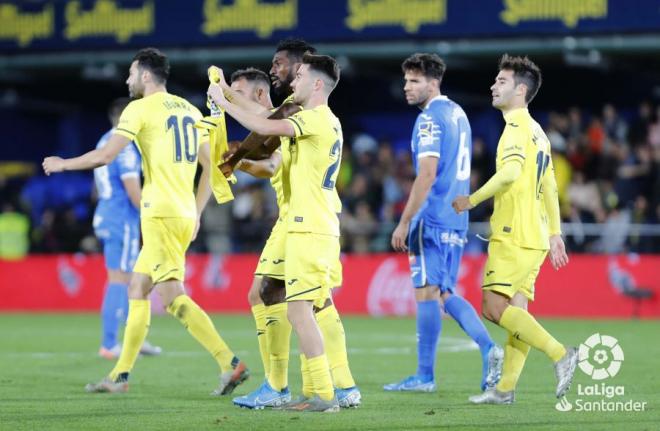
point(278, 334)
point(137, 326)
point(334, 340)
point(524, 327)
point(319, 371)
point(259, 313)
point(515, 353)
point(307, 386)
point(199, 324)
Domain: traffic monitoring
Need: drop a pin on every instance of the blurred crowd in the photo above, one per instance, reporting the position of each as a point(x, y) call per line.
point(607, 167)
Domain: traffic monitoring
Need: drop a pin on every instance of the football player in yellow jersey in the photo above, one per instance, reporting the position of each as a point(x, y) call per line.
point(312, 243)
point(267, 300)
point(525, 224)
point(162, 126)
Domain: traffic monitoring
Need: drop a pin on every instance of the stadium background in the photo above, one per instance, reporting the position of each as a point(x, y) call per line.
point(63, 61)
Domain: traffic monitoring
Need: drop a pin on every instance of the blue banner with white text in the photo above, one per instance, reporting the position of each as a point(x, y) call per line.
point(115, 24)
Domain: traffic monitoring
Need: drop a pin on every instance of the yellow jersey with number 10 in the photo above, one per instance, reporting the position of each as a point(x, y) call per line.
point(313, 164)
point(519, 215)
point(162, 126)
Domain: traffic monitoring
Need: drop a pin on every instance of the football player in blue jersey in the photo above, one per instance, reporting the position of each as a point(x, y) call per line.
point(117, 226)
point(429, 230)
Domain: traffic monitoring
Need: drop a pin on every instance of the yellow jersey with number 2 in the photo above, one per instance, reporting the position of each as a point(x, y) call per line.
point(315, 156)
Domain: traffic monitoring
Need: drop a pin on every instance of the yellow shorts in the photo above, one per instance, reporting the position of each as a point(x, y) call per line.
point(311, 259)
point(164, 245)
point(271, 261)
point(511, 269)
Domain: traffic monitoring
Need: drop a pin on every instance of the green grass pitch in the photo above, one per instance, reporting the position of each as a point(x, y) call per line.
point(45, 361)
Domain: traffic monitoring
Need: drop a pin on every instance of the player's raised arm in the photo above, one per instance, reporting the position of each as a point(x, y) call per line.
point(250, 121)
point(235, 97)
point(90, 160)
point(255, 145)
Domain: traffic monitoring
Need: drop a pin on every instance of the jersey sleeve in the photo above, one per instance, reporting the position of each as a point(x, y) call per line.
point(130, 122)
point(512, 146)
point(304, 123)
point(128, 162)
point(428, 135)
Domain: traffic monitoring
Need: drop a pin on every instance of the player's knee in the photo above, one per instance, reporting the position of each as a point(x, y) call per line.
point(490, 310)
point(272, 291)
point(427, 293)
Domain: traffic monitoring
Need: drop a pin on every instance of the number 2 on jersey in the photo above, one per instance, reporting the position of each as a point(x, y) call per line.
point(331, 173)
point(542, 161)
point(188, 128)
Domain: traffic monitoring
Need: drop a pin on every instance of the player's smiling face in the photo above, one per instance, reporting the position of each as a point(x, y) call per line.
point(503, 90)
point(135, 86)
point(418, 88)
point(282, 72)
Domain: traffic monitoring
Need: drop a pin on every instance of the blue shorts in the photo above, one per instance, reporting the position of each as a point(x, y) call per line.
point(434, 255)
point(121, 245)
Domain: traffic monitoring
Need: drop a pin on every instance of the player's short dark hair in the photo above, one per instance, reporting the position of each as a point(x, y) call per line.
point(117, 106)
point(525, 71)
point(429, 65)
point(155, 61)
point(295, 48)
point(324, 64)
point(251, 74)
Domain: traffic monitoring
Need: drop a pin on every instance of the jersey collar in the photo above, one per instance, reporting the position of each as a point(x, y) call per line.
point(438, 97)
point(515, 114)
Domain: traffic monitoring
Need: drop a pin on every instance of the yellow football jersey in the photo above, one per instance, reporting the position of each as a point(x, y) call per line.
point(313, 160)
point(519, 214)
point(277, 181)
point(162, 126)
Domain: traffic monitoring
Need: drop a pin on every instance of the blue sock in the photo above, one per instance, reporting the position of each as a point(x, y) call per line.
point(429, 325)
point(113, 312)
point(466, 316)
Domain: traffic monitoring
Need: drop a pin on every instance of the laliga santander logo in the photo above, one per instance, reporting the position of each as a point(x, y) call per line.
point(600, 357)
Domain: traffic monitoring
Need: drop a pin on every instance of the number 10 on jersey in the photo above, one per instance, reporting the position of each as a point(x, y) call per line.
point(183, 126)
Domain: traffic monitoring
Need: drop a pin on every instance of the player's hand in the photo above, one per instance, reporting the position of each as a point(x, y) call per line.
point(233, 147)
point(196, 231)
point(53, 165)
point(216, 75)
point(461, 203)
point(226, 169)
point(399, 237)
point(558, 256)
point(216, 94)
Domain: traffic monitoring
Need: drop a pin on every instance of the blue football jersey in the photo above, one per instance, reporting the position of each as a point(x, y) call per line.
point(442, 130)
point(114, 208)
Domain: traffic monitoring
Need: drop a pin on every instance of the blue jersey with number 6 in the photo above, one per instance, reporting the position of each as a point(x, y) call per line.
point(442, 130)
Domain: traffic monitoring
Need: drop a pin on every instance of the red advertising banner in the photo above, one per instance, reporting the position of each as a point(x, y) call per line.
point(379, 285)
